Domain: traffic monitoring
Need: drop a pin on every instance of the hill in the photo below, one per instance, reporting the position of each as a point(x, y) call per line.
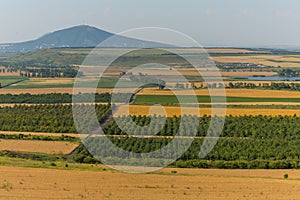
point(78, 36)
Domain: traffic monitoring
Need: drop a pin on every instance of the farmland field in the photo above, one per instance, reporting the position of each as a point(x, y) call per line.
point(231, 92)
point(38, 146)
point(232, 74)
point(33, 183)
point(173, 110)
point(201, 101)
point(172, 99)
point(7, 80)
point(268, 60)
point(41, 156)
point(8, 73)
point(45, 83)
point(196, 72)
point(50, 90)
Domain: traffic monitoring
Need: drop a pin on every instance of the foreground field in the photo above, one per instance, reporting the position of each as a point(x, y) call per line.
point(48, 147)
point(173, 110)
point(29, 183)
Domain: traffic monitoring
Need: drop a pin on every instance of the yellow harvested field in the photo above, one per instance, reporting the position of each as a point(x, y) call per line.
point(214, 73)
point(219, 50)
point(207, 72)
point(8, 73)
point(225, 50)
point(172, 110)
point(49, 147)
point(230, 92)
point(262, 93)
point(52, 80)
point(50, 90)
point(267, 60)
point(257, 103)
point(36, 90)
point(192, 184)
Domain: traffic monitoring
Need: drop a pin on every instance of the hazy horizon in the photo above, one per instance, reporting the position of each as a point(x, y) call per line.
point(211, 22)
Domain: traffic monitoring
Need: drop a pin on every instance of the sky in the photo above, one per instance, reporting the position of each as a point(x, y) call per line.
point(209, 22)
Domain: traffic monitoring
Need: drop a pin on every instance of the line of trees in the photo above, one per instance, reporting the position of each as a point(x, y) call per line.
point(50, 72)
point(259, 127)
point(229, 153)
point(59, 98)
point(272, 85)
point(269, 142)
point(21, 136)
point(53, 98)
point(246, 142)
point(47, 71)
point(46, 118)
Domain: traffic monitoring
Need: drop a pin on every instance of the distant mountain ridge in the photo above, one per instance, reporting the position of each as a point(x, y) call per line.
point(79, 36)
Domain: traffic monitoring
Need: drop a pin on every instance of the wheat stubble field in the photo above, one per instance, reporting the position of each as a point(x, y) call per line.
point(268, 60)
point(192, 184)
point(49, 147)
point(173, 110)
point(229, 92)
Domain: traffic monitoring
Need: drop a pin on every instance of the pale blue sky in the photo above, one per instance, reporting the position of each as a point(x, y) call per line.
point(210, 22)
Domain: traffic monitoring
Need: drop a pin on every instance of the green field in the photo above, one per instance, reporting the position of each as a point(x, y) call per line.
point(172, 100)
point(27, 84)
point(7, 80)
point(105, 82)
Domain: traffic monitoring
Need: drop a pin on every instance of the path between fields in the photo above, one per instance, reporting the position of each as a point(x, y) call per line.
point(104, 135)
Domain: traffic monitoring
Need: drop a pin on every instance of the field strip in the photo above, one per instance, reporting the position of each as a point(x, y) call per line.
point(48, 147)
point(196, 72)
point(248, 103)
point(229, 92)
point(39, 134)
point(2, 105)
point(34, 104)
point(268, 60)
point(53, 90)
point(35, 183)
point(256, 103)
point(231, 74)
point(172, 110)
